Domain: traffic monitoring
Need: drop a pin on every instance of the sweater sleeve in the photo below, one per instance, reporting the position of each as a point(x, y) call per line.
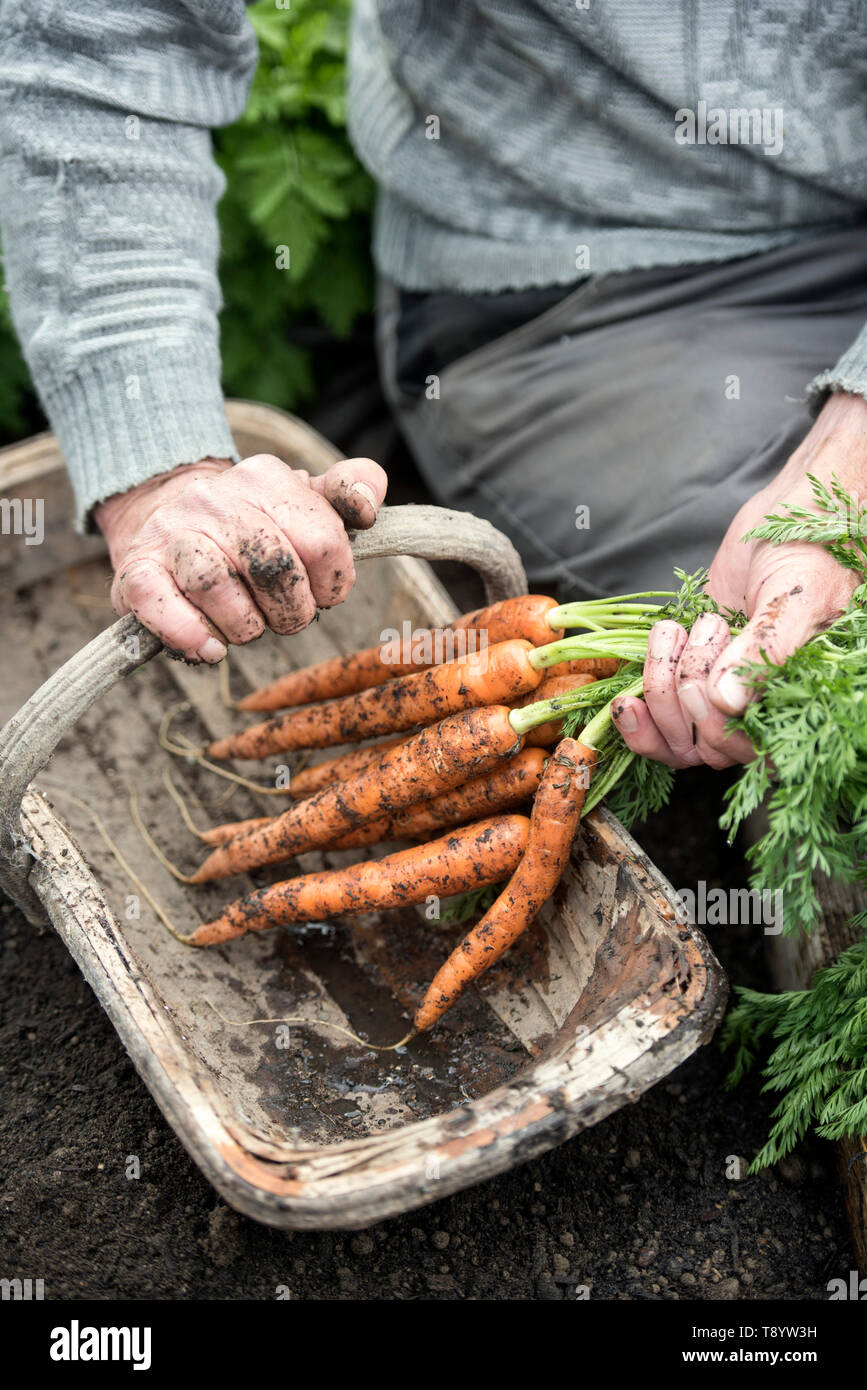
point(848, 374)
point(108, 194)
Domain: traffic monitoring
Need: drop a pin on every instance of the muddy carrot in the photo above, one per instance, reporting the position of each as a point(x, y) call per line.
point(472, 857)
point(507, 787)
point(553, 824)
point(499, 674)
point(221, 834)
point(526, 616)
point(460, 747)
point(310, 779)
point(346, 675)
point(328, 680)
point(600, 667)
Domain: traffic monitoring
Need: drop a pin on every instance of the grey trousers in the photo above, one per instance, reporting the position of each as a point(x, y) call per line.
point(614, 435)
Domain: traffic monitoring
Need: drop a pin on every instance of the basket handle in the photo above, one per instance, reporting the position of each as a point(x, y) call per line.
point(31, 735)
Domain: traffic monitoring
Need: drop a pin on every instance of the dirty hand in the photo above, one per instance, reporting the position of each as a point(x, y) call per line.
point(213, 553)
point(788, 592)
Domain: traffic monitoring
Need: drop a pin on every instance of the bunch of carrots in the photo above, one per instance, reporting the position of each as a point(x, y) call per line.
point(466, 749)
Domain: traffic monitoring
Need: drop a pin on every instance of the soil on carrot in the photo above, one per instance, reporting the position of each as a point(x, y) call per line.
point(642, 1206)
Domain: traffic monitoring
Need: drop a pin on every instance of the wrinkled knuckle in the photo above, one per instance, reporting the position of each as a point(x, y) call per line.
point(271, 569)
point(198, 494)
point(657, 679)
point(136, 580)
point(692, 669)
point(262, 465)
point(203, 575)
point(690, 756)
point(254, 626)
point(715, 758)
point(325, 536)
point(683, 747)
point(325, 545)
point(286, 622)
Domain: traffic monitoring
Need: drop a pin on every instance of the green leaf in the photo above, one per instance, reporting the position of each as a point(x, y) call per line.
point(817, 1061)
point(292, 180)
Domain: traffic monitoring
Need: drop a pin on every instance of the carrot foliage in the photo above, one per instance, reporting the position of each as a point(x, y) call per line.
point(809, 729)
point(810, 732)
point(818, 1062)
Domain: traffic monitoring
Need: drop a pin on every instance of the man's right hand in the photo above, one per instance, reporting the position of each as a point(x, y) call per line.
point(213, 553)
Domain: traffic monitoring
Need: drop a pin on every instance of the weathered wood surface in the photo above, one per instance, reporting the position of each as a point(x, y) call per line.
point(299, 1127)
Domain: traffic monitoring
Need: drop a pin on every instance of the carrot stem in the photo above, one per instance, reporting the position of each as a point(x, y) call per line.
point(627, 644)
point(594, 735)
point(572, 614)
point(559, 705)
point(600, 734)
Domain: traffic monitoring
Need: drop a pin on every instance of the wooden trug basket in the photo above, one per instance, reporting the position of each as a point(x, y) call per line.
point(296, 1126)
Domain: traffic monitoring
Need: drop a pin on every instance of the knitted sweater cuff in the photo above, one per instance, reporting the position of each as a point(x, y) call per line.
point(127, 416)
point(848, 374)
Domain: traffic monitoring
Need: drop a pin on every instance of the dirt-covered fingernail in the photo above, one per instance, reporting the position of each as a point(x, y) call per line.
point(366, 492)
point(627, 719)
point(211, 650)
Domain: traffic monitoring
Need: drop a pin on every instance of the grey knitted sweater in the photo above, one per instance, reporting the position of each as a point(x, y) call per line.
point(515, 142)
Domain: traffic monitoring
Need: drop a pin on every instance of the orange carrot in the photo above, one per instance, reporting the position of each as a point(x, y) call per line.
point(328, 680)
point(526, 616)
point(496, 675)
point(310, 779)
point(460, 747)
point(345, 675)
point(597, 666)
point(468, 858)
point(221, 834)
point(546, 735)
point(553, 824)
point(508, 786)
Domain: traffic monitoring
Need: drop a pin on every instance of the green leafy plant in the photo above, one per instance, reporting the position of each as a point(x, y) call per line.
point(19, 413)
point(466, 907)
point(295, 219)
point(819, 1058)
point(809, 729)
point(293, 182)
